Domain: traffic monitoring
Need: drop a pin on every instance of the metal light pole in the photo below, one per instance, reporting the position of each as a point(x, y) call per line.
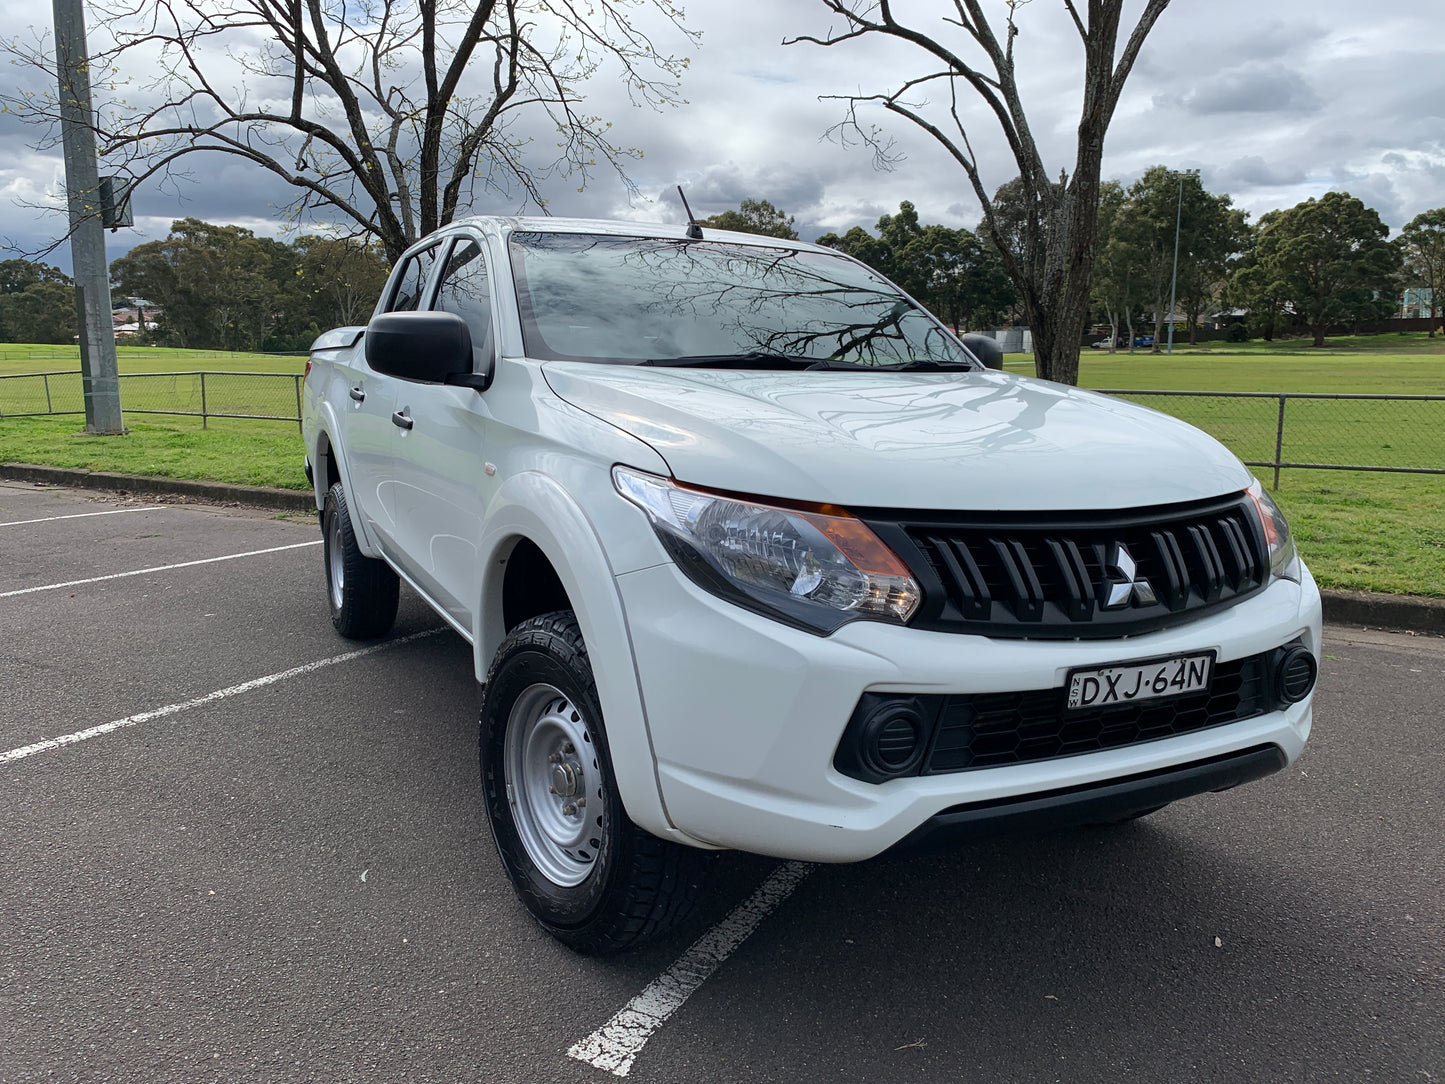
point(99, 375)
point(1174, 275)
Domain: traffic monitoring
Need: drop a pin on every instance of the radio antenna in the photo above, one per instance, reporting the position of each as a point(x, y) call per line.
point(694, 231)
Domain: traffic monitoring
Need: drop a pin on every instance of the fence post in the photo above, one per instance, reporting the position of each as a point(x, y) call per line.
point(297, 378)
point(48, 408)
point(203, 401)
point(1279, 442)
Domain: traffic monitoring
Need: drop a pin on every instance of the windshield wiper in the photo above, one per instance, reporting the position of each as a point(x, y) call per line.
point(918, 364)
point(752, 359)
point(764, 359)
point(921, 364)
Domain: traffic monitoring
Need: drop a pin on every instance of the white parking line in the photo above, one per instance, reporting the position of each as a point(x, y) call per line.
point(158, 568)
point(615, 1045)
point(209, 698)
point(83, 515)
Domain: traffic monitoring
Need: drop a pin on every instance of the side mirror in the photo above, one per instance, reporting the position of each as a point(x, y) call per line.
point(431, 347)
point(986, 349)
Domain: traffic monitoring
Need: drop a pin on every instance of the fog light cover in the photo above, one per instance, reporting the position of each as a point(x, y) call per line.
point(891, 743)
point(1294, 674)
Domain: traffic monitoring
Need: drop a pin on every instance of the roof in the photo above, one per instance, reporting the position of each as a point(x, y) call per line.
point(506, 224)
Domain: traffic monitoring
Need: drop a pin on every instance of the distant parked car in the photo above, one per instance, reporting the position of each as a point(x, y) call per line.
point(1122, 343)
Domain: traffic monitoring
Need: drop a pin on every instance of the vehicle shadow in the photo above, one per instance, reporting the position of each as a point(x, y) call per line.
point(1162, 950)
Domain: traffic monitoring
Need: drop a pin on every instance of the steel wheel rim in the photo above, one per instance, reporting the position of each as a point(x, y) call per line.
point(554, 784)
point(335, 561)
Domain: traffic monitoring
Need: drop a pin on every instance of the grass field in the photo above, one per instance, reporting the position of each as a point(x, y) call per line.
point(1369, 532)
point(1408, 364)
point(26, 358)
point(1362, 531)
point(252, 453)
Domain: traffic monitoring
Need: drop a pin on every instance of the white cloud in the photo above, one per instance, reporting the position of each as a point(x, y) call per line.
point(1253, 88)
point(1274, 103)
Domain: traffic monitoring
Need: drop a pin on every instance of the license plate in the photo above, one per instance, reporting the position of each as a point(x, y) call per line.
point(1129, 682)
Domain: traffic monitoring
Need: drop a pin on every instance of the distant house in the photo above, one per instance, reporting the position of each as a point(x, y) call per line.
point(131, 329)
point(1226, 317)
point(1416, 303)
point(130, 315)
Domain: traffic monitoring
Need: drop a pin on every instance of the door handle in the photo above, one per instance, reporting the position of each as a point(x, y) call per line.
point(402, 418)
point(358, 394)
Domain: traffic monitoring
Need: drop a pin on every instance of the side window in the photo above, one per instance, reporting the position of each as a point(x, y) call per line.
point(412, 282)
point(464, 291)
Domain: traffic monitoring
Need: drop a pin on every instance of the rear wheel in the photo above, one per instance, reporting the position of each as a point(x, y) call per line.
point(587, 874)
point(361, 591)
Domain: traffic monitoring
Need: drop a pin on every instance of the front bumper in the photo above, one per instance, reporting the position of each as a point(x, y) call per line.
point(745, 715)
point(1098, 803)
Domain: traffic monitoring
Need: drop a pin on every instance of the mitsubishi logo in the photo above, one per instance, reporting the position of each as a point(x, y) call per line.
point(1122, 584)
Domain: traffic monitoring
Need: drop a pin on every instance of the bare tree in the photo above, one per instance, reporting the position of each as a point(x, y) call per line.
point(388, 115)
point(1052, 265)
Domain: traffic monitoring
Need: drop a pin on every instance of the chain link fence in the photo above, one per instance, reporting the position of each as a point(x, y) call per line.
point(1395, 433)
point(1402, 434)
point(206, 395)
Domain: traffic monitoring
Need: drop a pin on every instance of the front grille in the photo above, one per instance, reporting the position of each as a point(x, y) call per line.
point(1079, 576)
point(994, 729)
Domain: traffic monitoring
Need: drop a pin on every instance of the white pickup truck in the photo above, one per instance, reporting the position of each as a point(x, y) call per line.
point(754, 553)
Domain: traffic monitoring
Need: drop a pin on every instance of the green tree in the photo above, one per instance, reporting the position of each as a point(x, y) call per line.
point(1219, 240)
point(1252, 286)
point(18, 276)
point(965, 55)
point(338, 280)
point(1210, 233)
point(958, 278)
point(217, 287)
point(754, 216)
point(43, 312)
point(1422, 251)
point(863, 246)
point(1115, 283)
point(883, 253)
point(1328, 260)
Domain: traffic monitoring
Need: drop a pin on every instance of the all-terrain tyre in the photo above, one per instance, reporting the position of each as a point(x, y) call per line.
point(587, 874)
point(360, 590)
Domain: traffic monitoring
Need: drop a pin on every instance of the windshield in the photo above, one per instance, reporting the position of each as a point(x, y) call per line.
point(585, 297)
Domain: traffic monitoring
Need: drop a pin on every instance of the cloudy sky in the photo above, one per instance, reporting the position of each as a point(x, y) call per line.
point(1272, 101)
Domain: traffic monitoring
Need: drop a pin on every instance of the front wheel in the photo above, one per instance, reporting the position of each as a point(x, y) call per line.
point(587, 874)
point(361, 591)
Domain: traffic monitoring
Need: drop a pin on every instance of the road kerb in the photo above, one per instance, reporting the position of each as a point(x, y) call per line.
point(290, 500)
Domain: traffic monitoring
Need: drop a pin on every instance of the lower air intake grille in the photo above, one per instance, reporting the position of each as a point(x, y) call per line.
point(1013, 728)
point(962, 732)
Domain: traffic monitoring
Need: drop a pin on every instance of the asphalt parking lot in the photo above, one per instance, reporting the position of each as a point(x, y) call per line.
point(275, 867)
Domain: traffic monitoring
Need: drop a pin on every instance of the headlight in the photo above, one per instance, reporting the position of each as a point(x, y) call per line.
point(1283, 558)
point(812, 566)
